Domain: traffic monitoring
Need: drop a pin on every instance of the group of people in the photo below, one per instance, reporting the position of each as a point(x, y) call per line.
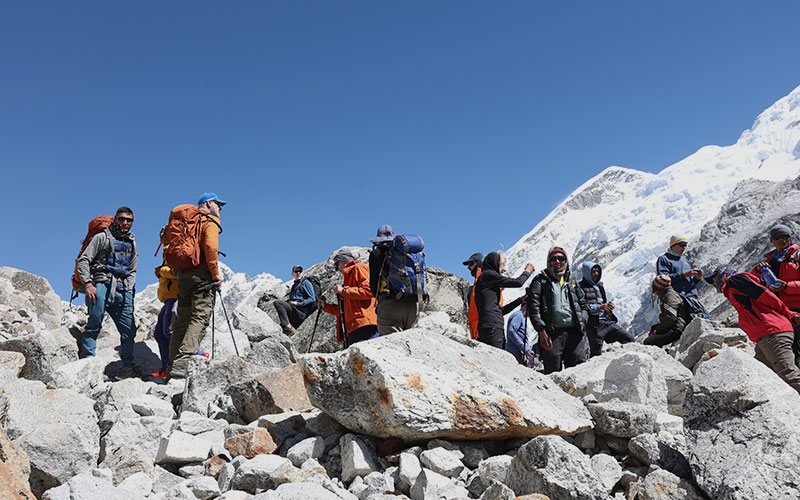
point(558, 322)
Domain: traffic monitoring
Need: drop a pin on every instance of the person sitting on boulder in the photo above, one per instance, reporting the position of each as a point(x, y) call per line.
point(764, 318)
point(602, 325)
point(674, 315)
point(301, 302)
point(355, 313)
point(518, 343)
point(488, 297)
point(685, 278)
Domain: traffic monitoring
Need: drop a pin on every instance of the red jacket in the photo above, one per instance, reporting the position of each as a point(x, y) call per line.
point(790, 273)
point(359, 304)
point(761, 312)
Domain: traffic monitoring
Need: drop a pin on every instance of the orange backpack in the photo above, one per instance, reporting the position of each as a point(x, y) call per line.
point(95, 226)
point(182, 237)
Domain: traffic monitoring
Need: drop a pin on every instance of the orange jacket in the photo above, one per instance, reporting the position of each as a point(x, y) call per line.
point(359, 304)
point(167, 283)
point(472, 310)
point(209, 243)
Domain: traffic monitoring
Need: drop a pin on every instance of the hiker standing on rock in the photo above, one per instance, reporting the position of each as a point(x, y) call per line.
point(602, 325)
point(765, 319)
point(302, 302)
point(394, 314)
point(197, 283)
point(473, 263)
point(107, 269)
point(355, 313)
point(683, 276)
point(168, 294)
point(558, 313)
point(674, 314)
point(488, 297)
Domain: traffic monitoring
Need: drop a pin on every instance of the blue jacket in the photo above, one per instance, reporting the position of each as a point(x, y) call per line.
point(517, 341)
point(302, 292)
point(675, 266)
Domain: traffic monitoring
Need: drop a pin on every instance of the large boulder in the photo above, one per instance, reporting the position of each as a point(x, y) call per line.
point(44, 351)
point(275, 391)
point(416, 385)
point(623, 373)
point(30, 302)
point(57, 428)
point(208, 385)
point(741, 424)
point(15, 469)
point(701, 336)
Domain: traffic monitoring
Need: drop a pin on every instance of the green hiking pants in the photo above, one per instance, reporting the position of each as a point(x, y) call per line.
point(395, 315)
point(195, 307)
point(775, 351)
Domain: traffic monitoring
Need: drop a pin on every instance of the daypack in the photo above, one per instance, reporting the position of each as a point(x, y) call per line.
point(182, 237)
point(406, 269)
point(96, 225)
point(317, 292)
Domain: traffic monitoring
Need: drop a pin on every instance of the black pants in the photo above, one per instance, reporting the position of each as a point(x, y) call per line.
point(569, 348)
point(360, 334)
point(288, 313)
point(492, 336)
point(608, 332)
point(662, 339)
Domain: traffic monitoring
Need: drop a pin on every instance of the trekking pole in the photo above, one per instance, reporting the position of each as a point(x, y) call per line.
point(212, 334)
point(228, 320)
point(314, 331)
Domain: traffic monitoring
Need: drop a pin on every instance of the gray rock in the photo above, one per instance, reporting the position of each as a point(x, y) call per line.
point(84, 376)
point(179, 492)
point(14, 361)
point(301, 491)
point(741, 424)
point(358, 457)
point(663, 485)
point(649, 450)
point(265, 472)
point(409, 468)
point(323, 425)
point(418, 385)
point(498, 491)
point(85, 486)
point(550, 465)
point(163, 480)
point(126, 460)
point(225, 476)
point(495, 468)
point(670, 424)
point(621, 419)
point(138, 483)
point(143, 432)
point(271, 352)
point(44, 352)
point(210, 385)
point(149, 406)
point(432, 485)
point(23, 291)
point(282, 426)
point(376, 484)
point(607, 469)
point(203, 487)
point(7, 376)
point(442, 462)
point(194, 423)
point(272, 391)
point(191, 470)
point(112, 404)
point(701, 336)
point(235, 495)
point(181, 448)
point(313, 447)
point(584, 440)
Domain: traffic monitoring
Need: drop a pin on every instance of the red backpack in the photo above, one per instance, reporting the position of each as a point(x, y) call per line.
point(95, 226)
point(182, 237)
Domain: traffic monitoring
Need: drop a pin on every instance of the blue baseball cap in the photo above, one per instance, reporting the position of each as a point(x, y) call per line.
point(210, 196)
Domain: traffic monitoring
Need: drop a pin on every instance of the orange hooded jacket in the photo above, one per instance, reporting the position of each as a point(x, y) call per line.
point(209, 243)
point(359, 304)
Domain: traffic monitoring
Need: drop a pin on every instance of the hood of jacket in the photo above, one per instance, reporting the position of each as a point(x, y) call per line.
point(586, 270)
point(549, 270)
point(491, 262)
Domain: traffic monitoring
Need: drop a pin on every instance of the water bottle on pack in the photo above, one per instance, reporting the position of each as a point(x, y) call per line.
point(769, 277)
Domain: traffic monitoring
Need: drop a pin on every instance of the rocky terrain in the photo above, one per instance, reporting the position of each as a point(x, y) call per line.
point(422, 414)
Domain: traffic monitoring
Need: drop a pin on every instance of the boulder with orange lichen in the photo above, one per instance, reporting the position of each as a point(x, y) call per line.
point(417, 385)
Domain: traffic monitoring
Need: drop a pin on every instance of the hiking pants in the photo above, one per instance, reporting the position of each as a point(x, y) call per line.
point(195, 307)
point(775, 350)
point(493, 336)
point(119, 305)
point(288, 314)
point(608, 332)
point(569, 349)
point(662, 339)
point(797, 342)
point(163, 331)
point(395, 315)
point(360, 334)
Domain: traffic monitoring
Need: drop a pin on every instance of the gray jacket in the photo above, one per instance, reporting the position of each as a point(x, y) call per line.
point(92, 262)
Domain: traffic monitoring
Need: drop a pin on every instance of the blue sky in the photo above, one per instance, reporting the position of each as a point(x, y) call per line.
point(319, 121)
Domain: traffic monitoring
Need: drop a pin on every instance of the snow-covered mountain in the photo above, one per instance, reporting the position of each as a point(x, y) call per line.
point(623, 218)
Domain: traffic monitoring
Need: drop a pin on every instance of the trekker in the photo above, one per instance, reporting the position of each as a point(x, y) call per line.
point(168, 294)
point(107, 271)
point(394, 315)
point(602, 325)
point(558, 313)
point(765, 319)
point(488, 297)
point(357, 305)
point(473, 263)
point(683, 276)
point(302, 302)
point(522, 347)
point(675, 313)
point(196, 289)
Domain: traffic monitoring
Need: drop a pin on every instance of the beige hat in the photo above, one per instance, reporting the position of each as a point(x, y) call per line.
point(661, 281)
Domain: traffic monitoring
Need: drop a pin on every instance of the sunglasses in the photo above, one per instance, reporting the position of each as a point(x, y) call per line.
point(682, 244)
point(125, 219)
point(782, 237)
point(559, 258)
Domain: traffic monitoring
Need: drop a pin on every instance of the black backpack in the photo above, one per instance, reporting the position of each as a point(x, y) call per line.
point(317, 291)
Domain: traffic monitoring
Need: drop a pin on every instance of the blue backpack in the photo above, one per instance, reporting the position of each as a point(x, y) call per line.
point(406, 268)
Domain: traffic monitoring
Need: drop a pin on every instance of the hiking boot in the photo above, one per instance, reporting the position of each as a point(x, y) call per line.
point(159, 374)
point(288, 330)
point(178, 371)
point(127, 371)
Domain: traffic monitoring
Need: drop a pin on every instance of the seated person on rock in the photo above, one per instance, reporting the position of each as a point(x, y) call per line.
point(765, 319)
point(302, 302)
point(602, 325)
point(674, 315)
